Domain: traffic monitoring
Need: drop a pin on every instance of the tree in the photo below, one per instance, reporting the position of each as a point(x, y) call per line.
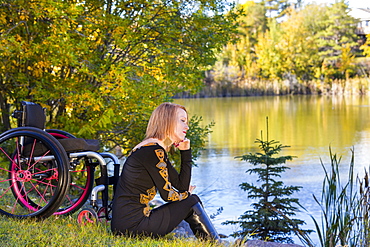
point(346, 62)
point(100, 67)
point(336, 30)
point(237, 58)
point(366, 47)
point(270, 220)
point(276, 8)
point(269, 52)
point(298, 47)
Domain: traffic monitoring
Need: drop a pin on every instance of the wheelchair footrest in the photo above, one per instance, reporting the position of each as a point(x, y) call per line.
point(79, 144)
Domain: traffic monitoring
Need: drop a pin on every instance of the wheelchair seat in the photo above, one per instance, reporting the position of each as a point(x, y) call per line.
point(79, 144)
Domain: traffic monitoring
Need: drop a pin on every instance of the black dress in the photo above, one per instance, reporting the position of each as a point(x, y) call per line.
point(146, 171)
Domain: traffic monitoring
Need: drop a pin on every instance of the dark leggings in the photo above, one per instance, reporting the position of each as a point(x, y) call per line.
point(164, 219)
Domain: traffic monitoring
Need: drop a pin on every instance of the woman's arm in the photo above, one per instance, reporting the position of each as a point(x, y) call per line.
point(181, 181)
point(171, 185)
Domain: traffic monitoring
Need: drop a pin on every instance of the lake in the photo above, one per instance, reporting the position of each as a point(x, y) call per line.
point(308, 124)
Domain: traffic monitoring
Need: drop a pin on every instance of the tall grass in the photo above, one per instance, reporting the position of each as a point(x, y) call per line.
point(344, 207)
point(64, 231)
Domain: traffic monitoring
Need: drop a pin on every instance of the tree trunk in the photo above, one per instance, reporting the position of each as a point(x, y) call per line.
point(5, 122)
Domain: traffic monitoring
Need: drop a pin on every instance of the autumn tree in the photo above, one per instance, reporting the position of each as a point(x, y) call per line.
point(100, 67)
point(298, 47)
point(311, 42)
point(269, 52)
point(239, 55)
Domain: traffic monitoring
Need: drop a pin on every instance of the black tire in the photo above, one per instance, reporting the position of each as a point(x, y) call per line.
point(34, 175)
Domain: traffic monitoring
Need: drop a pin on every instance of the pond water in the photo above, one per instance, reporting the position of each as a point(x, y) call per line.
point(310, 125)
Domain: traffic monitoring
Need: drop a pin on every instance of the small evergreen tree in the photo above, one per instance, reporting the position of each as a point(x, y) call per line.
point(270, 220)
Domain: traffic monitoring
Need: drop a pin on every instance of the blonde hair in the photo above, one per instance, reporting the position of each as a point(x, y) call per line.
point(162, 122)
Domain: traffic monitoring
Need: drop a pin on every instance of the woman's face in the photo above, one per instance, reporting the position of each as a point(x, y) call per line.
point(181, 126)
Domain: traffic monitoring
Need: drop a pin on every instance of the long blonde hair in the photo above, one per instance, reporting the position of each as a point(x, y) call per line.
point(162, 122)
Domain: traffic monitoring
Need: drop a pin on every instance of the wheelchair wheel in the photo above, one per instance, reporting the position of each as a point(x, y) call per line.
point(34, 174)
point(104, 215)
point(81, 183)
point(87, 216)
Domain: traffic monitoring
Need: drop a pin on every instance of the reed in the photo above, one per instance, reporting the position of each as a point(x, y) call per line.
point(344, 207)
point(257, 87)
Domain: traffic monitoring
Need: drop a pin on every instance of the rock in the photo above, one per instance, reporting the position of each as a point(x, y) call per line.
point(260, 243)
point(183, 230)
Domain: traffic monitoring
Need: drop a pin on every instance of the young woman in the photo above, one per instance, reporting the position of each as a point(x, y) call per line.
point(147, 170)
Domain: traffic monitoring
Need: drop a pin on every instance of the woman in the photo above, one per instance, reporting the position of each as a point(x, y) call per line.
point(147, 170)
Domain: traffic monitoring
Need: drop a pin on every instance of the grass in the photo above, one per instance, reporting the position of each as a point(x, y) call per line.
point(344, 221)
point(65, 231)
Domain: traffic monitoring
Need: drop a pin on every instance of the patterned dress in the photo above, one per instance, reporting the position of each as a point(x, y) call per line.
point(146, 171)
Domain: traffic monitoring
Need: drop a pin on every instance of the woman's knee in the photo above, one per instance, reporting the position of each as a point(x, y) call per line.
point(195, 198)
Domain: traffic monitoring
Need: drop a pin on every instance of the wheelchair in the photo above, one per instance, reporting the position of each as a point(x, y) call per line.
point(48, 171)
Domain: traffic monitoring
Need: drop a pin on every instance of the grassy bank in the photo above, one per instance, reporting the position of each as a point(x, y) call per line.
point(65, 231)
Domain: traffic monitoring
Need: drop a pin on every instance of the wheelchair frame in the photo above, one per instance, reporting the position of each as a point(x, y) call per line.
point(67, 153)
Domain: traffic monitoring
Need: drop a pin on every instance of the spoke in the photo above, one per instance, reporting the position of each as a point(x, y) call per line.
point(40, 158)
point(45, 191)
point(76, 186)
point(44, 183)
point(18, 155)
point(10, 159)
point(43, 171)
point(6, 191)
point(69, 199)
point(35, 189)
point(79, 171)
point(31, 153)
point(4, 169)
point(23, 198)
point(5, 180)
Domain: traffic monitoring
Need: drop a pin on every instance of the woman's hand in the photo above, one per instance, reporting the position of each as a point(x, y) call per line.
point(191, 188)
point(184, 144)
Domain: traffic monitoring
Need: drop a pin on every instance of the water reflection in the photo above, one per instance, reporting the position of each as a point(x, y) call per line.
point(308, 124)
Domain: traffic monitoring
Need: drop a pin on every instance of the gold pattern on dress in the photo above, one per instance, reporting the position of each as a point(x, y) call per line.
point(162, 165)
point(145, 199)
point(145, 145)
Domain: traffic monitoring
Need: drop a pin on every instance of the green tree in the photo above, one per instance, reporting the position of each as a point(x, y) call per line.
point(270, 218)
point(336, 29)
point(100, 67)
point(276, 8)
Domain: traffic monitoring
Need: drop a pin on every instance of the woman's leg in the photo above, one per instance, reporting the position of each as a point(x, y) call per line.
point(201, 225)
point(164, 219)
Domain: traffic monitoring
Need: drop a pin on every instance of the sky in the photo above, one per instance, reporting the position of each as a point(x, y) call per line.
point(352, 3)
